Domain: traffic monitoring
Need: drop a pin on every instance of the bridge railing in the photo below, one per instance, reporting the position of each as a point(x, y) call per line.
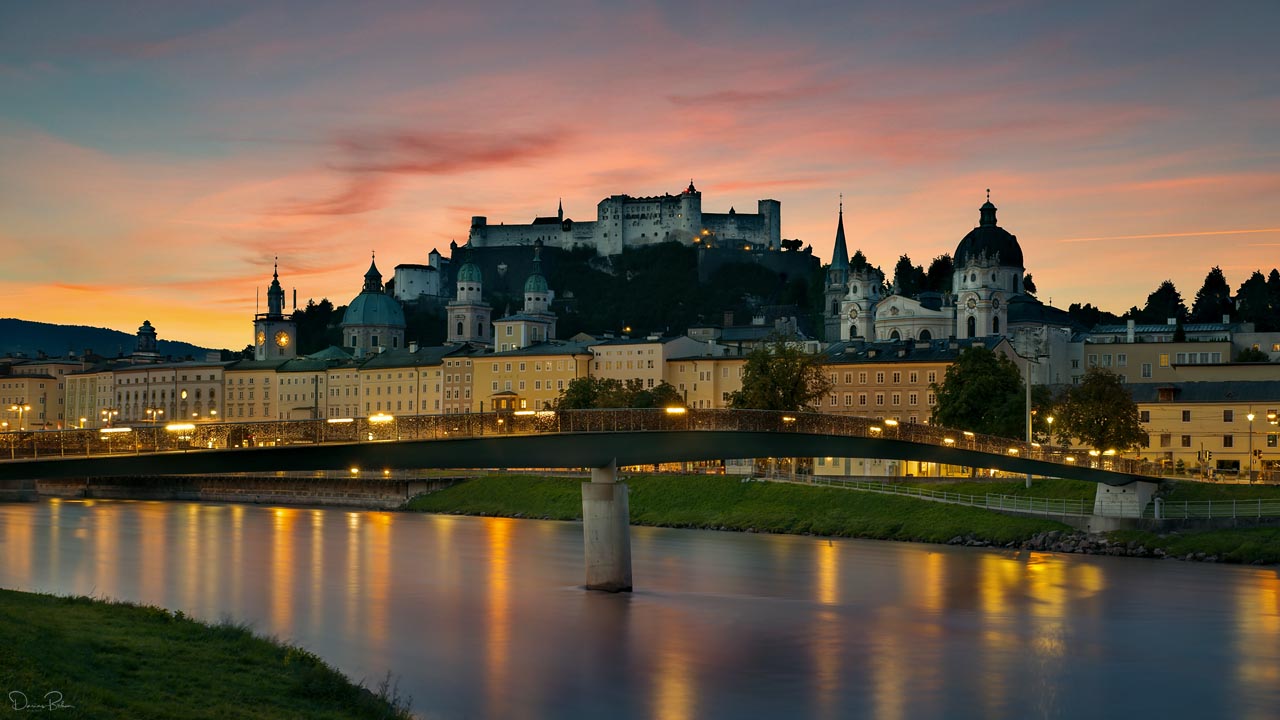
point(160, 437)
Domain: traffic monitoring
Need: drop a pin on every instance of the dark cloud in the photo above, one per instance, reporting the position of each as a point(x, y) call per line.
point(443, 152)
point(364, 192)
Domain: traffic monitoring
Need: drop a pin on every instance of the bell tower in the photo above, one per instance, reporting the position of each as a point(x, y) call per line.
point(275, 337)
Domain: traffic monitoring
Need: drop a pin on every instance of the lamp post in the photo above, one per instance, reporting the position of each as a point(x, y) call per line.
point(21, 407)
point(1049, 419)
point(1250, 417)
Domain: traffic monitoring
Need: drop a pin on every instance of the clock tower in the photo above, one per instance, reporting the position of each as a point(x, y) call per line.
point(275, 337)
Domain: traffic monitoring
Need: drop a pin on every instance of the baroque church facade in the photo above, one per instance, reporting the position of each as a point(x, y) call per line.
point(987, 297)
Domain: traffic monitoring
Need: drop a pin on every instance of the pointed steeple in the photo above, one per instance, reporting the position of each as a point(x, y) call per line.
point(373, 278)
point(560, 210)
point(275, 293)
point(840, 257)
point(987, 213)
point(691, 189)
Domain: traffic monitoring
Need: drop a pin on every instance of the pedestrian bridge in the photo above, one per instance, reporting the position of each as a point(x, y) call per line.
point(533, 439)
point(597, 439)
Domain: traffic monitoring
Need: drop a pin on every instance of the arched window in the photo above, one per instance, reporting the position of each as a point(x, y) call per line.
point(995, 326)
point(853, 330)
point(480, 328)
point(894, 335)
point(835, 307)
point(926, 335)
point(459, 328)
point(972, 327)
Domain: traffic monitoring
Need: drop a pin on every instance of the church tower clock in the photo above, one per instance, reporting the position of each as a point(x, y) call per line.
point(274, 335)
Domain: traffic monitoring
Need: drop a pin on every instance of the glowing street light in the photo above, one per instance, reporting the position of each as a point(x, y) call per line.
point(21, 408)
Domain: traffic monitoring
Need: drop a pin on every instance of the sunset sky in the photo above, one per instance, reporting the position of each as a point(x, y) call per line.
point(155, 156)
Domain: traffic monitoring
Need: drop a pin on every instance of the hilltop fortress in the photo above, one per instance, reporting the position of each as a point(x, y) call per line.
point(623, 221)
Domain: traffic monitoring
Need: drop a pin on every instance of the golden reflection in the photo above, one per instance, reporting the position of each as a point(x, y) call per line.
point(19, 530)
point(192, 561)
point(377, 589)
point(152, 548)
point(211, 558)
point(1257, 634)
point(930, 586)
point(890, 673)
point(826, 645)
point(55, 536)
point(106, 552)
point(674, 684)
point(498, 615)
point(317, 569)
point(353, 574)
point(237, 552)
point(281, 582)
point(828, 573)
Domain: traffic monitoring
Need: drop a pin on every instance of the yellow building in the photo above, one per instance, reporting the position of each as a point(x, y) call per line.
point(530, 378)
point(706, 381)
point(642, 359)
point(27, 401)
point(1206, 426)
point(249, 390)
point(58, 369)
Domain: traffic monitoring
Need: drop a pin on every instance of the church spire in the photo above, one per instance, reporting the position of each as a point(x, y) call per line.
point(840, 257)
point(373, 278)
point(275, 293)
point(560, 210)
point(987, 213)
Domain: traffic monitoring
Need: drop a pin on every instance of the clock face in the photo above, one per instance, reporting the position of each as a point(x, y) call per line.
point(995, 303)
point(262, 337)
point(282, 338)
point(853, 313)
point(971, 303)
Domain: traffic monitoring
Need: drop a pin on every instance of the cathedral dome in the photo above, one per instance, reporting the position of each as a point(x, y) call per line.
point(374, 308)
point(989, 240)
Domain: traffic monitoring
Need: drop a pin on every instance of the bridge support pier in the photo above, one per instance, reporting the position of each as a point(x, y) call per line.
point(606, 531)
point(1123, 501)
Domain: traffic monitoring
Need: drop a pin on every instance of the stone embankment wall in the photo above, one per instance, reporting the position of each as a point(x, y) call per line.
point(371, 493)
point(1086, 544)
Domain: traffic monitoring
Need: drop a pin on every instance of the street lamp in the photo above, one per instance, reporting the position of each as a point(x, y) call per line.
point(21, 408)
point(1250, 417)
point(1049, 419)
point(153, 414)
point(108, 416)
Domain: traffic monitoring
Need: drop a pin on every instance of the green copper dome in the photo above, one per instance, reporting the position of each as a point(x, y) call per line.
point(536, 284)
point(469, 273)
point(374, 308)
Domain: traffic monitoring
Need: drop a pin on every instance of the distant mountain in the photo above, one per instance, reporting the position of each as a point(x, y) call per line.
point(28, 338)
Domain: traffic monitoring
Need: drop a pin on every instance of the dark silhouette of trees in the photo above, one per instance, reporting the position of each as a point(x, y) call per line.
point(319, 326)
point(907, 278)
point(1213, 300)
point(593, 392)
point(938, 276)
point(1166, 302)
point(1255, 303)
point(1028, 285)
point(1089, 316)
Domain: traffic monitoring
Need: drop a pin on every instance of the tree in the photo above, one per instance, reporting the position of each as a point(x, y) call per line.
point(1028, 284)
point(982, 391)
point(938, 276)
point(1164, 303)
point(907, 278)
point(1213, 299)
point(591, 392)
point(1101, 413)
point(1253, 301)
point(780, 376)
point(1089, 316)
point(1252, 354)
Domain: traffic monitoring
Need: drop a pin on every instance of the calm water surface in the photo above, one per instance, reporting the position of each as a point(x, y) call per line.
point(486, 617)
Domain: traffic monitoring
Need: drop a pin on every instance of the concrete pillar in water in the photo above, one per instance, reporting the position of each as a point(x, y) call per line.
point(606, 531)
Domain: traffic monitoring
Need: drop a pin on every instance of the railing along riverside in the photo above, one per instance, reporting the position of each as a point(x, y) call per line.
point(1040, 506)
point(143, 437)
point(1205, 509)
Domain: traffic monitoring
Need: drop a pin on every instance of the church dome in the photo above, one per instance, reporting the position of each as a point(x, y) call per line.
point(990, 240)
point(536, 284)
point(469, 273)
point(374, 308)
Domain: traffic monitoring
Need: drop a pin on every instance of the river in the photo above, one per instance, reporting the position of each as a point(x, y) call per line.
point(486, 617)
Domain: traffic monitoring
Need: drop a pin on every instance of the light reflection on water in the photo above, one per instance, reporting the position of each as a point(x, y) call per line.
point(485, 617)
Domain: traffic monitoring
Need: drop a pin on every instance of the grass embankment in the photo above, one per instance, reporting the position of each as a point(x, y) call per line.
point(110, 659)
point(717, 502)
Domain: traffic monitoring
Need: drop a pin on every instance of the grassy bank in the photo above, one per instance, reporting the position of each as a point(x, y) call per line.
point(726, 502)
point(120, 660)
point(1259, 545)
point(1040, 488)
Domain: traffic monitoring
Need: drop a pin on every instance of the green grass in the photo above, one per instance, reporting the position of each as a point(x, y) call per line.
point(1240, 545)
point(1040, 488)
point(726, 502)
point(1190, 490)
point(120, 660)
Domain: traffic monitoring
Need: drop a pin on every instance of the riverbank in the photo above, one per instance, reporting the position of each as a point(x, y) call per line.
point(730, 503)
point(92, 658)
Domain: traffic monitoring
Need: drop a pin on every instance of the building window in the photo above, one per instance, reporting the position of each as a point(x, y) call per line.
point(1271, 439)
point(1144, 416)
point(1122, 360)
point(833, 399)
point(862, 398)
point(1164, 359)
point(1146, 370)
point(1186, 441)
point(879, 398)
point(1166, 440)
point(1228, 441)
point(913, 399)
point(1228, 415)
point(1186, 416)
